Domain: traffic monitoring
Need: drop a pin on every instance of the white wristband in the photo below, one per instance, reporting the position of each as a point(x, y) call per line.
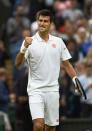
point(76, 90)
point(73, 79)
point(23, 49)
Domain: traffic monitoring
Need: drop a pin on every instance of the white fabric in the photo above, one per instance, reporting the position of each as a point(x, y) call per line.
point(44, 62)
point(73, 79)
point(23, 48)
point(45, 105)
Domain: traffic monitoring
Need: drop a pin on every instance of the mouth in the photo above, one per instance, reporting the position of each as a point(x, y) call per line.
point(42, 27)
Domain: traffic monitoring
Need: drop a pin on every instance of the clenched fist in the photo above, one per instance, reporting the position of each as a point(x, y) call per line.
point(28, 41)
point(25, 44)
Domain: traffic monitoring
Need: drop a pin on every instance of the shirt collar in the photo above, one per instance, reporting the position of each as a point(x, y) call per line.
point(40, 39)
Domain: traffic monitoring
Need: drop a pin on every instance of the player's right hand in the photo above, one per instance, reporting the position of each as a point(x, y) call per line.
point(28, 41)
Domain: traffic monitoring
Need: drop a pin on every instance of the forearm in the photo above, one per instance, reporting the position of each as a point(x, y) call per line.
point(72, 73)
point(23, 49)
point(20, 56)
point(69, 69)
point(19, 59)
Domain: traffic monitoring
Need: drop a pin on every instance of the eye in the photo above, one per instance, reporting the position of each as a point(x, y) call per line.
point(45, 21)
point(40, 20)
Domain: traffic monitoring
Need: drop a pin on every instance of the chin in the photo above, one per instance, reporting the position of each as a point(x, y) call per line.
point(42, 31)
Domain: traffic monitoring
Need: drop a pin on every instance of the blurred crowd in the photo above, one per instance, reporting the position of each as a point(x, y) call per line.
point(73, 23)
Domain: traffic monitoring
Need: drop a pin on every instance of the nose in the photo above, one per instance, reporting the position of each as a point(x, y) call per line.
point(42, 23)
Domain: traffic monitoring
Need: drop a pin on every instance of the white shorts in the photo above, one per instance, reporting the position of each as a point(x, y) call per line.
point(45, 105)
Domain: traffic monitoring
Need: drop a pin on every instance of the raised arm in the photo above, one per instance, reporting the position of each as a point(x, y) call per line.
point(20, 56)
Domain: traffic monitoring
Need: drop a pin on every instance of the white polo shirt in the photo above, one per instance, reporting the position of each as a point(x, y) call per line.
point(44, 60)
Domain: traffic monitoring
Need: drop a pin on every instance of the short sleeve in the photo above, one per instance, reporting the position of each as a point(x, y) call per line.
point(65, 55)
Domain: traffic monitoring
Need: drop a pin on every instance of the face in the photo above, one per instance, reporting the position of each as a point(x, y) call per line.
point(69, 28)
point(20, 11)
point(44, 24)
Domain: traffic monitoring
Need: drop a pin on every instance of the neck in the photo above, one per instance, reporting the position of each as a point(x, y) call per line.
point(44, 36)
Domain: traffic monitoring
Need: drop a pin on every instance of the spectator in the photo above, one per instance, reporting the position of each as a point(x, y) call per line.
point(23, 112)
point(14, 28)
point(73, 49)
point(7, 125)
point(86, 80)
point(4, 57)
point(4, 98)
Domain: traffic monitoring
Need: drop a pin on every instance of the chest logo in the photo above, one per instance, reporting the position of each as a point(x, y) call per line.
point(54, 45)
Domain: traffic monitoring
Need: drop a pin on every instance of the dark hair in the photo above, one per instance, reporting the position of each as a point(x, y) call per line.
point(44, 12)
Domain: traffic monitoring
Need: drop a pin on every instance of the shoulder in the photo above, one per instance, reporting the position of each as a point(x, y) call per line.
point(54, 37)
point(59, 39)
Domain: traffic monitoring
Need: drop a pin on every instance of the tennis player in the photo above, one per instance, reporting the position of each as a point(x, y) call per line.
point(44, 54)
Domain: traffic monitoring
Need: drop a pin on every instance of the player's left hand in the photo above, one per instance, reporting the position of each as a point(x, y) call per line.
point(79, 87)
